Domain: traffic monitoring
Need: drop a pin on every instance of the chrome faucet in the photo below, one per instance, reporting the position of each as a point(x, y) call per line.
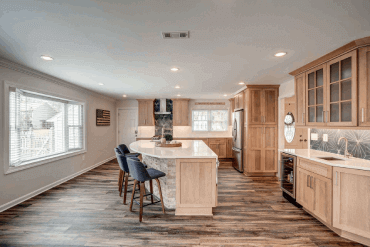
point(346, 153)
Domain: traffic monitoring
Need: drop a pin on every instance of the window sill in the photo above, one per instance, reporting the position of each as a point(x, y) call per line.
point(39, 162)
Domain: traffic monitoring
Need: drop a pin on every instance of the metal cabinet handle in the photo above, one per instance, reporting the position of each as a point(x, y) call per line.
point(311, 182)
point(301, 140)
point(362, 114)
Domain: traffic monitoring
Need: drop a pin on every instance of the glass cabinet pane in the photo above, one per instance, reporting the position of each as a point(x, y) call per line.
point(311, 97)
point(319, 77)
point(319, 96)
point(334, 72)
point(334, 112)
point(346, 70)
point(319, 114)
point(346, 90)
point(311, 80)
point(346, 111)
point(334, 92)
point(311, 114)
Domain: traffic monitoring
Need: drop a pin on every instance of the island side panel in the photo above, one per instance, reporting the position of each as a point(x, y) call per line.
point(196, 188)
point(168, 183)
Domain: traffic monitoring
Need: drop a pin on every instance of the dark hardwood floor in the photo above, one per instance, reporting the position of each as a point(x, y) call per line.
point(87, 211)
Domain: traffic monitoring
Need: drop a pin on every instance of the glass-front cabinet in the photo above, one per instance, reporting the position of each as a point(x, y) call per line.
point(342, 91)
point(315, 96)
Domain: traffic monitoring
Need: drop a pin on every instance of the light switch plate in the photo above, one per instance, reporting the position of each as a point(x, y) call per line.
point(325, 137)
point(314, 136)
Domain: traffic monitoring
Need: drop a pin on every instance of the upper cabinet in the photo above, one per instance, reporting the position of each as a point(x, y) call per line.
point(334, 90)
point(263, 104)
point(180, 112)
point(146, 112)
point(239, 101)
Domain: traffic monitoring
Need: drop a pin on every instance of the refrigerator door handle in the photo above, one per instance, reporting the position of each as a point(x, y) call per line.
point(236, 150)
point(235, 134)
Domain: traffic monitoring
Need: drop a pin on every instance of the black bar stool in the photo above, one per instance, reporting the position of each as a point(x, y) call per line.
point(141, 175)
point(125, 151)
point(124, 173)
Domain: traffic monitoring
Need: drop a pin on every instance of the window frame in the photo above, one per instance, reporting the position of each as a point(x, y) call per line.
point(41, 161)
point(209, 120)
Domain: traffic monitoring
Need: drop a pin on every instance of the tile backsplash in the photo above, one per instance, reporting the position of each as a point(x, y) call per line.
point(358, 142)
point(163, 119)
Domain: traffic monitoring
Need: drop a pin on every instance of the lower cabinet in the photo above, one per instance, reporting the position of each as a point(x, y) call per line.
point(314, 193)
point(351, 201)
point(218, 145)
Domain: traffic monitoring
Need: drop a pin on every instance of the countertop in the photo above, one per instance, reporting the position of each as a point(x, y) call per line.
point(190, 149)
point(310, 154)
point(192, 137)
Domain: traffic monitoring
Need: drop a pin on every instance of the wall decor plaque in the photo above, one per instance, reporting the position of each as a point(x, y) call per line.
point(102, 117)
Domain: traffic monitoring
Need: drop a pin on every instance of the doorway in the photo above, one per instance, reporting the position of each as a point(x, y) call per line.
point(127, 126)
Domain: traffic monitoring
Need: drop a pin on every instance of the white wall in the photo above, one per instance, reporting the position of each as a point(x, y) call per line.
point(127, 103)
point(286, 90)
point(100, 141)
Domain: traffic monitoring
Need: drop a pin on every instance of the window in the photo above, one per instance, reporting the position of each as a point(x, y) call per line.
point(42, 127)
point(210, 120)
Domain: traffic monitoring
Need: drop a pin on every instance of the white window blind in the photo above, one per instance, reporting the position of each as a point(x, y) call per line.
point(42, 126)
point(210, 120)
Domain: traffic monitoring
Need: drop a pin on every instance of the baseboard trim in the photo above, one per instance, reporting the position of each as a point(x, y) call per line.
point(50, 186)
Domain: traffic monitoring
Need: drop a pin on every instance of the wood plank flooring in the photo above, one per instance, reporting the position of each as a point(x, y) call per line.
point(87, 211)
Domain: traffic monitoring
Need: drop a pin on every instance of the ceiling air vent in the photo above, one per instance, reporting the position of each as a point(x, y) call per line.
point(175, 35)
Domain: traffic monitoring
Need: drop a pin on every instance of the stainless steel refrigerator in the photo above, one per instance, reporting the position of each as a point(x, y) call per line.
point(238, 127)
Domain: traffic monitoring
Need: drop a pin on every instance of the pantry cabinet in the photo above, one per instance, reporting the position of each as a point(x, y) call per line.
point(262, 105)
point(180, 112)
point(146, 112)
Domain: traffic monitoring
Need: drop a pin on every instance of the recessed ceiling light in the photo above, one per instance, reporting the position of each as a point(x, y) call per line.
point(101, 84)
point(178, 95)
point(124, 96)
point(225, 94)
point(280, 54)
point(175, 69)
point(177, 87)
point(241, 83)
point(47, 58)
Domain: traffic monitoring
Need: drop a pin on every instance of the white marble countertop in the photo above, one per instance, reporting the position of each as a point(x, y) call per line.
point(190, 149)
point(310, 154)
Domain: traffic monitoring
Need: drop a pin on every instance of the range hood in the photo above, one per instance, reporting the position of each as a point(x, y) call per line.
point(162, 107)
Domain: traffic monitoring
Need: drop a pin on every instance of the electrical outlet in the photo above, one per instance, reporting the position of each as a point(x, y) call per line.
point(325, 137)
point(314, 136)
point(83, 157)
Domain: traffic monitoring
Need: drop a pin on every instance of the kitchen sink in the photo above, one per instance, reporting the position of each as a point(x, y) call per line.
point(330, 158)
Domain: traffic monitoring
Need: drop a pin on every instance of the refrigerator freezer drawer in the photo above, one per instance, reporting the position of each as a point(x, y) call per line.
point(238, 159)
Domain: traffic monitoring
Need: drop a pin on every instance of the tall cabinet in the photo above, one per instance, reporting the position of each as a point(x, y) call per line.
point(180, 112)
point(261, 136)
point(146, 112)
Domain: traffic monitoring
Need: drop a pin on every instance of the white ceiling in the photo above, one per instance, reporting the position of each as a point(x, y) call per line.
point(119, 42)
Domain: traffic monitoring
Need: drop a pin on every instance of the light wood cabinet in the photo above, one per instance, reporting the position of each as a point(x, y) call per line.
point(342, 90)
point(322, 203)
point(351, 201)
point(239, 101)
point(263, 105)
point(232, 108)
point(180, 112)
point(364, 86)
point(262, 152)
point(304, 193)
point(218, 145)
point(300, 93)
point(146, 112)
point(229, 148)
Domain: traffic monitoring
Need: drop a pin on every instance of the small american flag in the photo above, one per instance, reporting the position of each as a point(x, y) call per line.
point(102, 117)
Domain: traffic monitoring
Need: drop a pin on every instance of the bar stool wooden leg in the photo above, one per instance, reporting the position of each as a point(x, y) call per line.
point(125, 189)
point(142, 191)
point(160, 194)
point(119, 178)
point(151, 189)
point(121, 183)
point(133, 194)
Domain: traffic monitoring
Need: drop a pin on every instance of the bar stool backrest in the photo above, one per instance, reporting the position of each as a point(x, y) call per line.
point(124, 149)
point(138, 171)
point(122, 160)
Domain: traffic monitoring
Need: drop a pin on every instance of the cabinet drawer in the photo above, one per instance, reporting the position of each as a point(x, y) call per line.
point(315, 167)
point(217, 140)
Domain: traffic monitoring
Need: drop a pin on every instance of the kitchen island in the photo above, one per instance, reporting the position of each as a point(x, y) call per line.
point(190, 184)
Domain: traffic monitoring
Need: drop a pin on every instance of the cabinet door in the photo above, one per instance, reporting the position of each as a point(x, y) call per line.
point(222, 149)
point(270, 149)
point(315, 96)
point(185, 113)
point(270, 113)
point(149, 113)
point(300, 92)
point(364, 86)
point(215, 148)
point(241, 100)
point(255, 106)
point(342, 90)
point(351, 200)
point(229, 146)
point(176, 113)
point(142, 113)
point(322, 204)
point(305, 194)
point(255, 149)
point(236, 102)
